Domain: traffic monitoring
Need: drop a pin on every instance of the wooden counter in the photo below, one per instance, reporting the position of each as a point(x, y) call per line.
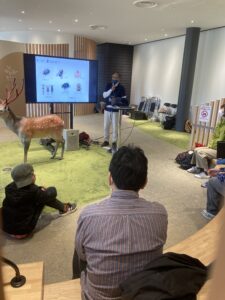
point(67, 290)
point(32, 289)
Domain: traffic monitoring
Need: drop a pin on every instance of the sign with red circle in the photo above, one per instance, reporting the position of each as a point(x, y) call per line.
point(205, 113)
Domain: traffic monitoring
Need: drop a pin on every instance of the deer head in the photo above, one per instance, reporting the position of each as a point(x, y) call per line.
point(28, 128)
point(11, 95)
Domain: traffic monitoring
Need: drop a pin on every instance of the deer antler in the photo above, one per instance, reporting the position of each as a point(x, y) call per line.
point(9, 93)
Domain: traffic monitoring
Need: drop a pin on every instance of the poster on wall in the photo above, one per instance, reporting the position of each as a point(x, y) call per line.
point(205, 113)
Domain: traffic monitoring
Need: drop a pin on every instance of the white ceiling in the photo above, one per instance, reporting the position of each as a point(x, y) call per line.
point(125, 22)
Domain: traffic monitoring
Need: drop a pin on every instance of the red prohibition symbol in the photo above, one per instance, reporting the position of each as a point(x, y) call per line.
point(204, 113)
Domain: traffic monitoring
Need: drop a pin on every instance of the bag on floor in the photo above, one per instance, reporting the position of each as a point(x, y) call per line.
point(84, 139)
point(169, 123)
point(184, 159)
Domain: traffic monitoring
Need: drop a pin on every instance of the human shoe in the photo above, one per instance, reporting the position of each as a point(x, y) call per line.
point(207, 215)
point(193, 170)
point(19, 236)
point(68, 209)
point(114, 147)
point(202, 175)
point(105, 144)
point(205, 184)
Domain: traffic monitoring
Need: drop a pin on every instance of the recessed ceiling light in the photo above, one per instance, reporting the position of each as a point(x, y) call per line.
point(50, 22)
point(97, 27)
point(145, 3)
point(76, 20)
point(59, 30)
point(166, 34)
point(22, 11)
point(20, 20)
point(192, 21)
point(146, 39)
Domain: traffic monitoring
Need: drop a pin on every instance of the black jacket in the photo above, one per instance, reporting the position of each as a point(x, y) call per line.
point(171, 276)
point(21, 207)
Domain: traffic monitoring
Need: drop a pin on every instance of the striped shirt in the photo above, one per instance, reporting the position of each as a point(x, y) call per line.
point(118, 237)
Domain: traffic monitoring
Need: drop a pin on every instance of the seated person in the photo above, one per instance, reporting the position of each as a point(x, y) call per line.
point(121, 234)
point(215, 194)
point(24, 202)
point(202, 155)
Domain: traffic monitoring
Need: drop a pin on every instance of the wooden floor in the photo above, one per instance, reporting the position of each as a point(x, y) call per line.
point(202, 245)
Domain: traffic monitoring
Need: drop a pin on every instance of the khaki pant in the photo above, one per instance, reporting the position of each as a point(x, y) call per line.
point(111, 118)
point(201, 157)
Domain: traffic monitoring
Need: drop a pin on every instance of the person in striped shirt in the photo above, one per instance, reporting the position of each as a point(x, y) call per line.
point(121, 234)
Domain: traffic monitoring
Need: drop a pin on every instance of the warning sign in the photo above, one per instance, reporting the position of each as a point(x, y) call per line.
point(205, 113)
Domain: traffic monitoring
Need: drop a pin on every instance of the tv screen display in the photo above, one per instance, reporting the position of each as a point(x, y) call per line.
point(51, 79)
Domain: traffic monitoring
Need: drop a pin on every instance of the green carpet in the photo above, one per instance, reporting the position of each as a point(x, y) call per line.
point(81, 177)
point(179, 139)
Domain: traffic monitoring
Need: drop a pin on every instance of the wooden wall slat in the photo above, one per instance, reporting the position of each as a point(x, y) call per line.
point(84, 48)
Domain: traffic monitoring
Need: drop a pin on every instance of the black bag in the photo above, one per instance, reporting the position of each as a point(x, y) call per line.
point(47, 144)
point(169, 123)
point(138, 115)
point(221, 149)
point(184, 159)
point(171, 276)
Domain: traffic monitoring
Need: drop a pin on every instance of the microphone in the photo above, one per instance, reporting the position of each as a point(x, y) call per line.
point(18, 280)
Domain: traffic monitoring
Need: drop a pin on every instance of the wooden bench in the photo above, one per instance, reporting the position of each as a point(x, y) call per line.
point(202, 245)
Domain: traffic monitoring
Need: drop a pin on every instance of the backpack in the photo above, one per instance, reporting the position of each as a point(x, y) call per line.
point(184, 159)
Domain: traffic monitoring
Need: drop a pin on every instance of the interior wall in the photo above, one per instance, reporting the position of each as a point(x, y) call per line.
point(40, 37)
point(114, 58)
point(157, 70)
point(209, 80)
point(11, 66)
point(10, 47)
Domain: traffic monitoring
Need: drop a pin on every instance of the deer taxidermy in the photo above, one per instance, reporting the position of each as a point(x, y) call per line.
point(28, 128)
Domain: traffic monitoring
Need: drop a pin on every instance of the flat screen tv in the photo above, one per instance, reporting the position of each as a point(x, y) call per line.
point(51, 79)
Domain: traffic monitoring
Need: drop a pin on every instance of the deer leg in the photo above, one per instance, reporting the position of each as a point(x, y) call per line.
point(56, 148)
point(26, 145)
point(63, 148)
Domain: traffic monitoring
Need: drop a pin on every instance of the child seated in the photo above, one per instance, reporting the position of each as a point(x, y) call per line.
point(24, 202)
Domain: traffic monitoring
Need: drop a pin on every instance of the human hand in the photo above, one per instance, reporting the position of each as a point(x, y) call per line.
point(213, 172)
point(114, 86)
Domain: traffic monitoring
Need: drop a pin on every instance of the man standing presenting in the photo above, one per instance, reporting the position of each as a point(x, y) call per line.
point(121, 234)
point(115, 97)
